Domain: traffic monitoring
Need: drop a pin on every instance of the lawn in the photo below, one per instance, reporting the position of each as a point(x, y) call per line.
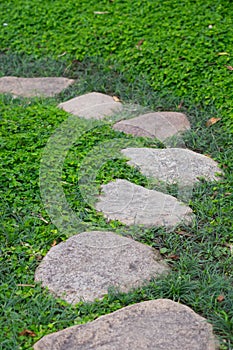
point(161, 55)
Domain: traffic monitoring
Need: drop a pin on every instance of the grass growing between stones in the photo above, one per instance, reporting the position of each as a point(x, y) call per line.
point(188, 74)
point(200, 256)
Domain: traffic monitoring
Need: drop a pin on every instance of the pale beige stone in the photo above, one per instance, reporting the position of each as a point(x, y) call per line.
point(92, 105)
point(135, 205)
point(160, 125)
point(153, 325)
point(87, 264)
point(173, 165)
point(34, 87)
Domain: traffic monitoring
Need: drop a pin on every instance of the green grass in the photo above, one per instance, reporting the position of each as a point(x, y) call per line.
point(180, 51)
point(178, 61)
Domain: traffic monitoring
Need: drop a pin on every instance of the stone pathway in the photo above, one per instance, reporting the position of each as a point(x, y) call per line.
point(86, 265)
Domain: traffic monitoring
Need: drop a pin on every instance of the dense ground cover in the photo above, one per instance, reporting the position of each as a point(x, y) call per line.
point(162, 55)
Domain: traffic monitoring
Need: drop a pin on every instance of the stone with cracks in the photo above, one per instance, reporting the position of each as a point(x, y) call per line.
point(154, 325)
point(87, 264)
point(34, 87)
point(93, 105)
point(160, 125)
point(173, 165)
point(135, 205)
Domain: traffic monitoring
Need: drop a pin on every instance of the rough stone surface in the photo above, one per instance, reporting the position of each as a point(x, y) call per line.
point(87, 264)
point(32, 87)
point(134, 205)
point(154, 325)
point(161, 125)
point(173, 165)
point(93, 105)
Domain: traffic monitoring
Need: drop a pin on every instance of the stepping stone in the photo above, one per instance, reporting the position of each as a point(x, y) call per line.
point(135, 205)
point(34, 87)
point(160, 125)
point(173, 165)
point(153, 325)
point(87, 264)
point(93, 105)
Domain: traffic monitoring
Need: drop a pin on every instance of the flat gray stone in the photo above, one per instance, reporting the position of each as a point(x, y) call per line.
point(87, 264)
point(135, 205)
point(160, 125)
point(32, 87)
point(93, 105)
point(173, 165)
point(153, 325)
